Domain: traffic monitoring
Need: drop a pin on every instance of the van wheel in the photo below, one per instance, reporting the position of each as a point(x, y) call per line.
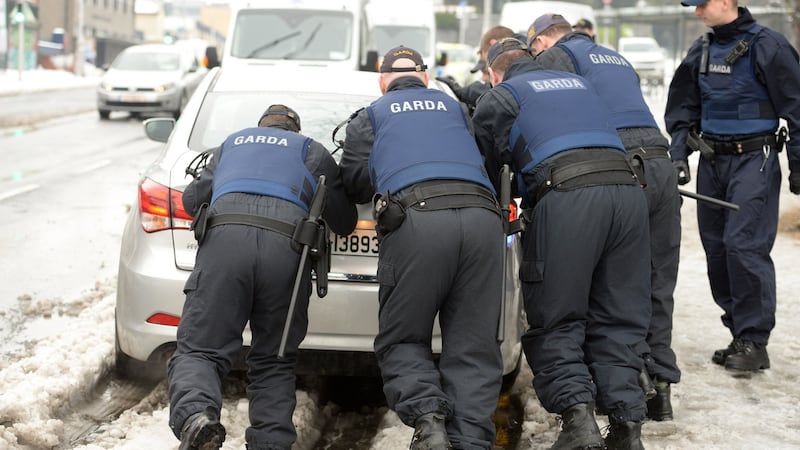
point(104, 115)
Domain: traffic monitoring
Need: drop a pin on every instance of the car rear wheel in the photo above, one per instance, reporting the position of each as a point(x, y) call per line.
point(132, 369)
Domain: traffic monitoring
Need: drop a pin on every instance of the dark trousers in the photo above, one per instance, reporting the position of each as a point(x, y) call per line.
point(664, 203)
point(586, 283)
point(242, 273)
point(738, 244)
point(447, 262)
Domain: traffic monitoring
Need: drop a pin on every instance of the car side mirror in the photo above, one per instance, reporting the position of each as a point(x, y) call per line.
point(159, 128)
point(211, 58)
point(372, 61)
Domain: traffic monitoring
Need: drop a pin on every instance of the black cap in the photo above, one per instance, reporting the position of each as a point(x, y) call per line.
point(502, 46)
point(402, 52)
point(282, 110)
point(584, 24)
point(480, 65)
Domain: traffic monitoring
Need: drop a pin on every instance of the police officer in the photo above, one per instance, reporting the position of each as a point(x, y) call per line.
point(618, 85)
point(586, 26)
point(441, 251)
point(725, 100)
point(470, 94)
point(245, 271)
point(585, 271)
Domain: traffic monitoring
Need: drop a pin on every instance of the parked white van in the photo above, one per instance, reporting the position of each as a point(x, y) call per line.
point(411, 23)
point(520, 15)
point(322, 33)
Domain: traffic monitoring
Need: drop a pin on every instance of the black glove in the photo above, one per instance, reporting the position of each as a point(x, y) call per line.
point(454, 86)
point(682, 169)
point(794, 182)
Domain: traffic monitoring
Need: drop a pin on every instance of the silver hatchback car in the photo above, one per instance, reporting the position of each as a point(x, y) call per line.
point(150, 78)
point(158, 249)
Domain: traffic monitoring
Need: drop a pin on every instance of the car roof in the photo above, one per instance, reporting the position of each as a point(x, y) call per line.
point(150, 48)
point(296, 79)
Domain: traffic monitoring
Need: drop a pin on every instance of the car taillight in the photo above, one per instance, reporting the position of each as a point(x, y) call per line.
point(512, 210)
point(164, 319)
point(161, 208)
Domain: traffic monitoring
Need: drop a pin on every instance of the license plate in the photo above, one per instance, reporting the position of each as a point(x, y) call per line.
point(132, 98)
point(362, 242)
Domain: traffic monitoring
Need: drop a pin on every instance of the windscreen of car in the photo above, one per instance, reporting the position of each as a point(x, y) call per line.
point(223, 113)
point(147, 61)
point(293, 34)
point(387, 37)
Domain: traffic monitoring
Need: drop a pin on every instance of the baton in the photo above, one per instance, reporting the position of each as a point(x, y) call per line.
point(315, 211)
point(505, 210)
point(712, 200)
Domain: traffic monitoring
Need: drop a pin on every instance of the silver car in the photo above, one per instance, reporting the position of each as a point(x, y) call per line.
point(158, 249)
point(150, 78)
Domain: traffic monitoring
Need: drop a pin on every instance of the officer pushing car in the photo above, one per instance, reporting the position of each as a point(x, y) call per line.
point(254, 194)
point(411, 152)
point(586, 256)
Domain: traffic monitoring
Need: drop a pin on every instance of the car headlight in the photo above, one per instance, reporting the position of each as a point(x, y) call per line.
point(164, 87)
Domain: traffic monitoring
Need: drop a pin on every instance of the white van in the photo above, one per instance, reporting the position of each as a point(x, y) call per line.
point(520, 15)
point(411, 23)
point(323, 33)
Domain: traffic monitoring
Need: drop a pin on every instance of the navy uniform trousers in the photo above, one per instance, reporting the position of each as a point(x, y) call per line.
point(447, 261)
point(664, 202)
point(241, 273)
point(586, 282)
point(738, 244)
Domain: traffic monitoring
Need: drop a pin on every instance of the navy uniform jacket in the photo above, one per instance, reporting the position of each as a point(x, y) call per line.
point(776, 66)
point(339, 212)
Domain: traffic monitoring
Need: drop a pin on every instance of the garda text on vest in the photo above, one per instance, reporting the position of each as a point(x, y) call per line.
point(417, 105)
point(260, 139)
point(556, 84)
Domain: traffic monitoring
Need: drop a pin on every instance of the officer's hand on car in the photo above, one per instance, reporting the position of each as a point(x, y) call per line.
point(682, 169)
point(453, 85)
point(794, 182)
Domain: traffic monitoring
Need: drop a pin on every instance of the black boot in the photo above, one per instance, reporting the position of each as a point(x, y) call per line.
point(202, 431)
point(625, 436)
point(430, 433)
point(749, 356)
point(647, 384)
point(660, 407)
point(579, 429)
point(723, 353)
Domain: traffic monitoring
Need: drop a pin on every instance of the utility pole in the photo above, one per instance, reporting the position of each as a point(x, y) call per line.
point(19, 17)
point(487, 16)
point(79, 53)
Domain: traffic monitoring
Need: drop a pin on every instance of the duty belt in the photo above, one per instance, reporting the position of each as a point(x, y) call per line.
point(649, 152)
point(615, 171)
point(426, 194)
point(755, 144)
point(278, 226)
